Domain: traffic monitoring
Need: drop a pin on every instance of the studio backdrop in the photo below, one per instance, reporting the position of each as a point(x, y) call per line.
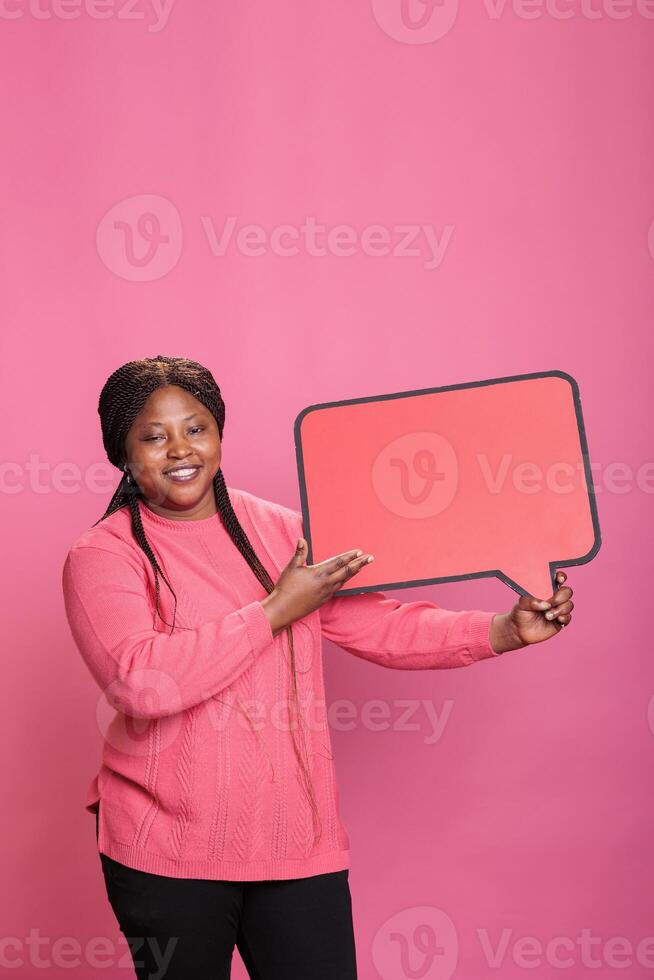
point(325, 202)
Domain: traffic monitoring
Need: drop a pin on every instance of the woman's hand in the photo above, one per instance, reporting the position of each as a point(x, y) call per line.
point(302, 588)
point(532, 620)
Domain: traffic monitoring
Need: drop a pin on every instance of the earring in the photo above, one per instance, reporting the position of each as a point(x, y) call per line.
point(129, 475)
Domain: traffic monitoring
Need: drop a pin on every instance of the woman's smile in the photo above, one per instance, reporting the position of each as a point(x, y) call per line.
point(182, 474)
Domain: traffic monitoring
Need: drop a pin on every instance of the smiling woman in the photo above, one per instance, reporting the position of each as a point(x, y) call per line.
point(173, 452)
point(160, 415)
point(199, 806)
point(214, 827)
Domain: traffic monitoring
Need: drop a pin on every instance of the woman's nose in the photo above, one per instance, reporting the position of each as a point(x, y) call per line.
point(179, 447)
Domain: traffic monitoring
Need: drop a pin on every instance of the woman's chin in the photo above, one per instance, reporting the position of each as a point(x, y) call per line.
point(182, 494)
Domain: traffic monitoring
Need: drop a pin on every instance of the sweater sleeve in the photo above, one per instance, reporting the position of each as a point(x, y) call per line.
point(146, 673)
point(406, 635)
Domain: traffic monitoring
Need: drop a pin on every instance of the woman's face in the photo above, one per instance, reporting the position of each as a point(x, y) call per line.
point(175, 431)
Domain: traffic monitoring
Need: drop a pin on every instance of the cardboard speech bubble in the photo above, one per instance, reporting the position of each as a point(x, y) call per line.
point(487, 478)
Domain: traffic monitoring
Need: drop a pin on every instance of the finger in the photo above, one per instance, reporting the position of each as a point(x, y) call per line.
point(300, 552)
point(563, 620)
point(560, 578)
point(338, 561)
point(563, 609)
point(349, 569)
point(561, 595)
point(530, 603)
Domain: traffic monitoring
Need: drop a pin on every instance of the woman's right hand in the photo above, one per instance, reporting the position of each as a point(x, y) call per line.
point(302, 588)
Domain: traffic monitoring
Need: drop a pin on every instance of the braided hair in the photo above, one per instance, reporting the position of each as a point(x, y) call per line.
point(121, 399)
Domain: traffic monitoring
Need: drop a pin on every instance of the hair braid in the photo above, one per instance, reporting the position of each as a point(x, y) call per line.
point(121, 399)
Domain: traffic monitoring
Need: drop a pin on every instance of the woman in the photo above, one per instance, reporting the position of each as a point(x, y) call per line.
point(216, 802)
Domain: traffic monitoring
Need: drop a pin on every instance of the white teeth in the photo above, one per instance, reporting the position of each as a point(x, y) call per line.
point(187, 472)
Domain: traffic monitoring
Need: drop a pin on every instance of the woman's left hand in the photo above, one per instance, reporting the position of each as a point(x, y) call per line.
point(533, 620)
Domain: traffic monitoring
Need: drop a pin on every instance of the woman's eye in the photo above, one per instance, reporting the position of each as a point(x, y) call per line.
point(196, 428)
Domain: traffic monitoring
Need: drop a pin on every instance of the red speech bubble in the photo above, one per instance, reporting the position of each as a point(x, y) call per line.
point(488, 478)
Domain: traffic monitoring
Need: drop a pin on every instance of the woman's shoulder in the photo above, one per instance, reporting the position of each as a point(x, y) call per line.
point(111, 533)
point(108, 548)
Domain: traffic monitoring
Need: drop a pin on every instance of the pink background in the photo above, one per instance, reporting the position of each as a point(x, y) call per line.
point(530, 138)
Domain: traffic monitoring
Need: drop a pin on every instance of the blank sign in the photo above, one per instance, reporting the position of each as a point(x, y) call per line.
point(487, 478)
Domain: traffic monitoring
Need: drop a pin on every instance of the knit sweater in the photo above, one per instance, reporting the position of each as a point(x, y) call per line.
point(199, 777)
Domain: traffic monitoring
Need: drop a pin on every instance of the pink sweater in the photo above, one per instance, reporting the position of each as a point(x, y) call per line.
point(190, 788)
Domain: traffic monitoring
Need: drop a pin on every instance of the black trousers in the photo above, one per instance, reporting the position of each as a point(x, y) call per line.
point(187, 928)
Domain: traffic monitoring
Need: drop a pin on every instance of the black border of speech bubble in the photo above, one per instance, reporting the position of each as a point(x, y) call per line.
point(493, 573)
